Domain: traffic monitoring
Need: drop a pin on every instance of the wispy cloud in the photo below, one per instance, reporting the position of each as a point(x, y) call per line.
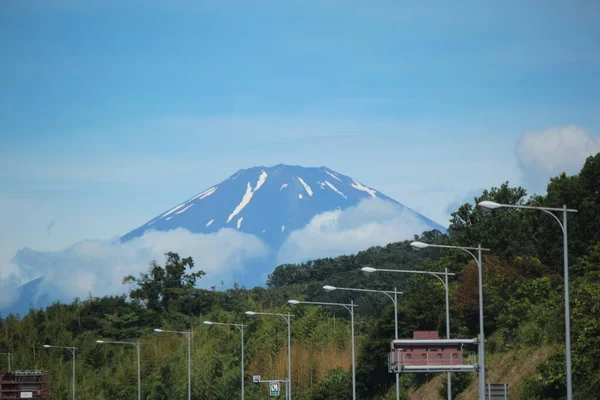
point(547, 153)
point(372, 222)
point(97, 267)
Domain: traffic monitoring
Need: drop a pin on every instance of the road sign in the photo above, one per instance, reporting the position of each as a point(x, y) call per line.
point(256, 378)
point(274, 389)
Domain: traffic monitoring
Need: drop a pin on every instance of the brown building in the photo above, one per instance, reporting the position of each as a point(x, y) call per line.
point(433, 354)
point(25, 385)
point(426, 352)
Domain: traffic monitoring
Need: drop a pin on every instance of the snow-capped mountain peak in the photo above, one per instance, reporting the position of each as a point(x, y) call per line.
point(268, 202)
point(264, 199)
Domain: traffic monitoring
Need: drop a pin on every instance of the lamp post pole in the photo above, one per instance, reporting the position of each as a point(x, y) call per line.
point(240, 327)
point(72, 350)
point(392, 295)
point(445, 284)
point(350, 308)
point(479, 261)
point(137, 347)
point(8, 357)
point(188, 335)
point(287, 318)
point(490, 205)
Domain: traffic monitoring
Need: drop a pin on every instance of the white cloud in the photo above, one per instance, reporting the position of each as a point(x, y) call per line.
point(544, 154)
point(372, 222)
point(98, 267)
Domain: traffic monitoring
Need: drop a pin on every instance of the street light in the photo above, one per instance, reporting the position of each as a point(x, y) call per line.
point(72, 350)
point(446, 287)
point(289, 357)
point(240, 327)
point(137, 347)
point(189, 356)
point(350, 308)
point(7, 355)
point(479, 261)
point(491, 205)
point(394, 299)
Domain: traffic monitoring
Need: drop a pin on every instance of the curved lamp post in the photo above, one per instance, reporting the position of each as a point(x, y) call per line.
point(189, 356)
point(240, 327)
point(289, 338)
point(393, 296)
point(479, 260)
point(137, 346)
point(350, 308)
point(490, 205)
point(72, 350)
point(444, 281)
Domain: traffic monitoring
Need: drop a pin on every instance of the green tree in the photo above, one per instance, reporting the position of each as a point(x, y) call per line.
point(158, 288)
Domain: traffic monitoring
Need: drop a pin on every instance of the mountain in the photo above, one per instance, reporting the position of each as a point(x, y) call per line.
point(269, 202)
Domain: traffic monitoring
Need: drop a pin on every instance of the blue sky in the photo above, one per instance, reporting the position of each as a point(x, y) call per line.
point(112, 113)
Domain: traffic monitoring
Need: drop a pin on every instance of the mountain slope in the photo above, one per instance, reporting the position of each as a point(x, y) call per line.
point(267, 202)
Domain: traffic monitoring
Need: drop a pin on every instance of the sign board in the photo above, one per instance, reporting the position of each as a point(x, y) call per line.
point(496, 391)
point(256, 378)
point(274, 389)
point(27, 395)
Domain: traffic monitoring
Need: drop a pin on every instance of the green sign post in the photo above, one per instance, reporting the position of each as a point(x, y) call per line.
point(274, 388)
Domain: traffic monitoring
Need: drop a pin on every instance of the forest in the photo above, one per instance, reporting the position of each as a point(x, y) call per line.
point(523, 289)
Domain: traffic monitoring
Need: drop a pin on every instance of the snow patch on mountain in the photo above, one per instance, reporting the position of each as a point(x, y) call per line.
point(333, 175)
point(185, 209)
point(358, 186)
point(248, 195)
point(204, 194)
point(306, 187)
point(335, 189)
point(172, 210)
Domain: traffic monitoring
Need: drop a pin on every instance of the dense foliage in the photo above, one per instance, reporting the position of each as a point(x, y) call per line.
point(523, 305)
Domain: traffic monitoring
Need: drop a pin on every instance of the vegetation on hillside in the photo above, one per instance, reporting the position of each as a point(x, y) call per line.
point(523, 306)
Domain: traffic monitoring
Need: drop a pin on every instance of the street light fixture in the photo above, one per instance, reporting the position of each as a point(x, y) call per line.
point(491, 205)
point(72, 350)
point(394, 299)
point(289, 357)
point(444, 283)
point(137, 347)
point(350, 308)
point(479, 261)
point(240, 327)
point(188, 335)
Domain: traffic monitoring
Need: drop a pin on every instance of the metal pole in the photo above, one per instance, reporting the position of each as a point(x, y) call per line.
point(138, 372)
point(73, 351)
point(567, 312)
point(481, 333)
point(242, 330)
point(353, 368)
point(448, 334)
point(189, 337)
point(289, 385)
point(396, 334)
